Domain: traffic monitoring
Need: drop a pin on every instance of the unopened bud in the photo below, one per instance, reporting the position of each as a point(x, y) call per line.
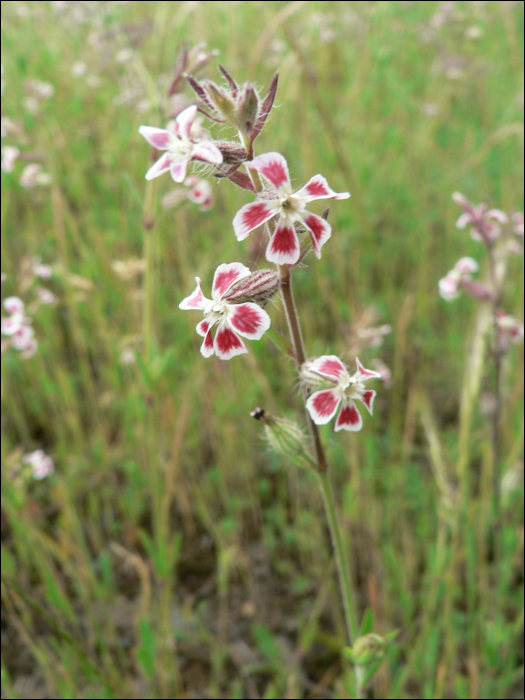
point(259, 287)
point(369, 648)
point(232, 152)
point(248, 109)
point(285, 437)
point(478, 291)
point(220, 99)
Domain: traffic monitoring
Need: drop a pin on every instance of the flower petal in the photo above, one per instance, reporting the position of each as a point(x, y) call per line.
point(365, 373)
point(329, 365)
point(227, 344)
point(349, 418)
point(466, 265)
point(12, 324)
point(322, 406)
point(250, 216)
point(185, 119)
point(367, 398)
point(249, 320)
point(207, 348)
point(203, 327)
point(320, 231)
point(498, 215)
point(226, 275)
point(197, 300)
point(13, 305)
point(318, 188)
point(273, 167)
point(178, 170)
point(207, 152)
point(284, 247)
point(464, 220)
point(448, 287)
point(160, 167)
point(159, 138)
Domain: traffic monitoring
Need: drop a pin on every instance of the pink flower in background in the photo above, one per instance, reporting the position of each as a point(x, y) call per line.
point(33, 175)
point(9, 155)
point(459, 275)
point(518, 228)
point(180, 146)
point(511, 328)
point(16, 319)
point(323, 405)
point(290, 208)
point(200, 192)
point(482, 220)
point(232, 320)
point(40, 269)
point(41, 464)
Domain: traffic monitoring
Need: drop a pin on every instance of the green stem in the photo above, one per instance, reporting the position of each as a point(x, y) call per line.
point(147, 287)
point(345, 583)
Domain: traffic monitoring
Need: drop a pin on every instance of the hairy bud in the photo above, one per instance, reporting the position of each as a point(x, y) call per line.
point(285, 437)
point(247, 110)
point(232, 152)
point(260, 286)
point(369, 648)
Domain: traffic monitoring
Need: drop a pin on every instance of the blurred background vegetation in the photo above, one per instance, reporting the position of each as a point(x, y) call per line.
point(171, 554)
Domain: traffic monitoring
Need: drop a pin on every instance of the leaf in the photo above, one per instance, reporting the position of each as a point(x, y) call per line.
point(367, 623)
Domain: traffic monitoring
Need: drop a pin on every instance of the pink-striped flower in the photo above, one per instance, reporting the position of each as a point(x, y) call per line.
point(15, 321)
point(290, 208)
point(181, 146)
point(346, 389)
point(232, 320)
point(509, 327)
point(483, 222)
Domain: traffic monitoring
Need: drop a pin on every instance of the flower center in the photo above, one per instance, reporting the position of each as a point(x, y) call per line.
point(215, 311)
point(179, 149)
point(291, 206)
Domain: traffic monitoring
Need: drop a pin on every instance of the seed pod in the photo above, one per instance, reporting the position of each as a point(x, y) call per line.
point(285, 437)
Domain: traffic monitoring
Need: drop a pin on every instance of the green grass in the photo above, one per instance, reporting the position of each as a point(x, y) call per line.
point(171, 555)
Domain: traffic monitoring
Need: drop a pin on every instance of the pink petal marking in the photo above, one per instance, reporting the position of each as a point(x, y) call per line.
point(226, 275)
point(320, 231)
point(178, 170)
point(203, 327)
point(273, 167)
point(249, 320)
point(329, 365)
point(349, 418)
point(227, 344)
point(365, 373)
point(185, 119)
point(368, 399)
point(159, 138)
point(160, 167)
point(197, 300)
point(318, 188)
point(322, 406)
point(250, 216)
point(284, 247)
point(207, 152)
point(207, 345)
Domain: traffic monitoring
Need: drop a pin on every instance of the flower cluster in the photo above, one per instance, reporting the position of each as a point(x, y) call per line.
point(344, 389)
point(17, 326)
point(235, 309)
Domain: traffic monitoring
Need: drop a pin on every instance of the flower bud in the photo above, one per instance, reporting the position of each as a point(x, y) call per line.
point(248, 109)
point(285, 437)
point(259, 287)
point(369, 648)
point(220, 99)
point(478, 291)
point(232, 152)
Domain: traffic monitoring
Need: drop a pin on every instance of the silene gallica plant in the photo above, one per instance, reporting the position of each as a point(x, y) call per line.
point(235, 313)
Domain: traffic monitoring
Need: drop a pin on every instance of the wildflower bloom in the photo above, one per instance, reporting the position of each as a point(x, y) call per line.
point(33, 175)
point(482, 220)
point(518, 228)
point(323, 405)
point(290, 208)
point(460, 274)
point(233, 320)
point(41, 464)
point(200, 192)
point(180, 146)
